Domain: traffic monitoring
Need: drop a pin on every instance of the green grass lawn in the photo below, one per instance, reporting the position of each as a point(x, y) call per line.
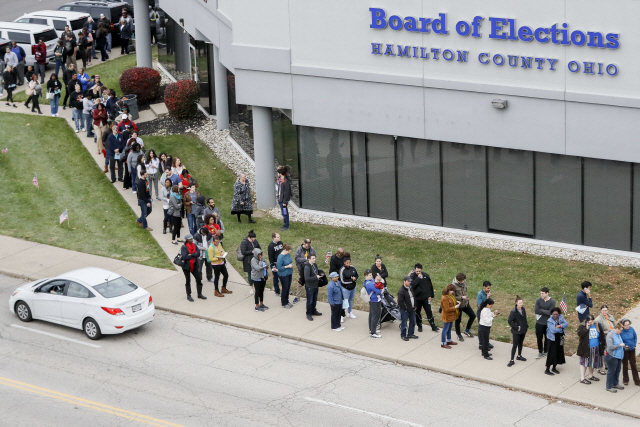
point(101, 222)
point(511, 273)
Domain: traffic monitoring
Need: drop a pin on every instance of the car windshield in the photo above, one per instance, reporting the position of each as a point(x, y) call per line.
point(77, 24)
point(46, 36)
point(115, 288)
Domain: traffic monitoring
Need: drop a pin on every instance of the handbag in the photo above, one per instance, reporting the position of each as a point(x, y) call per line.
point(561, 343)
point(178, 260)
point(28, 91)
point(239, 254)
point(345, 303)
point(50, 95)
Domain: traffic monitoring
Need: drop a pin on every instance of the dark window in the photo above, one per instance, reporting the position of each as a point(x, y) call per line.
point(419, 181)
point(607, 204)
point(59, 25)
point(359, 173)
point(77, 24)
point(636, 207)
point(46, 36)
point(381, 173)
point(80, 9)
point(240, 118)
point(23, 20)
point(55, 287)
point(115, 14)
point(23, 38)
point(510, 179)
point(64, 8)
point(285, 145)
point(78, 291)
point(39, 21)
point(464, 186)
point(559, 198)
point(115, 288)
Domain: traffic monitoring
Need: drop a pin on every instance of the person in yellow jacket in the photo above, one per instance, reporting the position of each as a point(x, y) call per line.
point(216, 256)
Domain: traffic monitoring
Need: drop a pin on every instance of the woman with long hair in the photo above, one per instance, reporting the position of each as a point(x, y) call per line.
point(53, 90)
point(378, 268)
point(99, 115)
point(590, 338)
point(218, 263)
point(35, 90)
point(9, 81)
point(241, 203)
point(519, 326)
point(450, 313)
point(152, 163)
point(177, 166)
point(175, 205)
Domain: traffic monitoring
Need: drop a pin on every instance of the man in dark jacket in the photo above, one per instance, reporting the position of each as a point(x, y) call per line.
point(40, 54)
point(67, 77)
point(246, 247)
point(202, 240)
point(284, 194)
point(311, 280)
point(198, 211)
point(423, 294)
point(22, 60)
point(112, 105)
point(144, 200)
point(461, 293)
point(114, 151)
point(337, 261)
point(274, 249)
point(190, 254)
point(301, 256)
point(406, 303)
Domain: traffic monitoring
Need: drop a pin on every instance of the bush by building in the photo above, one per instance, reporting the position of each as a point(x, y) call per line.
point(142, 82)
point(181, 99)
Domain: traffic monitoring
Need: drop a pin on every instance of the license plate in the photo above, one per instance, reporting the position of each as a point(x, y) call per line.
point(136, 308)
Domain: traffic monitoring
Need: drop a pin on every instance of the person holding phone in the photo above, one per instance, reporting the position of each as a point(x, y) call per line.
point(630, 339)
point(311, 280)
point(556, 326)
point(615, 353)
point(590, 336)
point(484, 325)
point(449, 314)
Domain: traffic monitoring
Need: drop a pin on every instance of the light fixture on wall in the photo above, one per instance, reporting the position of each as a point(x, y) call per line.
point(182, 25)
point(499, 103)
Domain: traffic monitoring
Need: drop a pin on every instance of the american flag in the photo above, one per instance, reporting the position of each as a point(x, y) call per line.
point(563, 303)
point(64, 216)
point(326, 258)
point(35, 180)
point(5, 149)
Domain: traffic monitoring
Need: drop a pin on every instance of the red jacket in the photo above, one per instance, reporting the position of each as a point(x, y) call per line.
point(100, 117)
point(124, 123)
point(40, 52)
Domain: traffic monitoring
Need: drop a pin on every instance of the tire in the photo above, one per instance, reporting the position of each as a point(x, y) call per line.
point(23, 311)
point(91, 329)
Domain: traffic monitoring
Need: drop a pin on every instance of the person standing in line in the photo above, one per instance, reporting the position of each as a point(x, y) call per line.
point(114, 153)
point(449, 306)
point(241, 203)
point(374, 303)
point(219, 265)
point(590, 338)
point(379, 269)
point(175, 205)
point(349, 278)
point(606, 321)
point(311, 279)
point(153, 19)
point(423, 291)
point(542, 309)
point(210, 209)
point(259, 277)
point(70, 50)
point(198, 211)
point(336, 262)
point(101, 41)
point(53, 88)
point(125, 34)
point(284, 194)
point(460, 284)
point(284, 265)
point(301, 256)
point(36, 90)
point(75, 101)
point(614, 357)
point(165, 193)
point(107, 24)
point(67, 77)
point(40, 54)
point(99, 115)
point(144, 200)
point(58, 54)
point(484, 326)
point(132, 164)
point(87, 110)
point(9, 83)
point(334, 296)
point(247, 246)
point(202, 240)
point(189, 200)
point(519, 326)
point(482, 296)
point(406, 304)
point(584, 301)
point(152, 163)
point(556, 326)
point(630, 339)
point(190, 254)
point(274, 249)
point(21, 56)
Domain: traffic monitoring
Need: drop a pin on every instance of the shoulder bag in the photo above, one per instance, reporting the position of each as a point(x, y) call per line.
point(239, 253)
point(178, 260)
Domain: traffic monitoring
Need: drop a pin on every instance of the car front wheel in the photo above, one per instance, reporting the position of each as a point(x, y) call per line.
point(91, 329)
point(23, 311)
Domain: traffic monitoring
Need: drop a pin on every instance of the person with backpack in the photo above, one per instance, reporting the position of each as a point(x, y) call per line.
point(189, 255)
point(202, 239)
point(374, 290)
point(259, 277)
point(245, 254)
point(219, 264)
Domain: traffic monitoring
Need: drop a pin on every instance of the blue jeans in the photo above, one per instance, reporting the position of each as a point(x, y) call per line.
point(78, 118)
point(276, 286)
point(134, 177)
point(613, 374)
point(191, 221)
point(60, 64)
point(411, 317)
point(445, 337)
point(54, 104)
point(285, 281)
point(312, 299)
point(349, 294)
point(249, 279)
point(144, 212)
point(87, 122)
point(285, 215)
point(109, 42)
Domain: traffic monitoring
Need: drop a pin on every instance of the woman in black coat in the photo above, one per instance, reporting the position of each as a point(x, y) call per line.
point(9, 81)
point(519, 326)
point(381, 269)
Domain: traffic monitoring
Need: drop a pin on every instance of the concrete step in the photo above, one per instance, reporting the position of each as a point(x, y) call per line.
point(159, 110)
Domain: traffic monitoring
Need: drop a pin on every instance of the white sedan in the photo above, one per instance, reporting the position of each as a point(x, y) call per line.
point(95, 300)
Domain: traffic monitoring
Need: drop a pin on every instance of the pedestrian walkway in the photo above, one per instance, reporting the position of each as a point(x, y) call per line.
point(34, 261)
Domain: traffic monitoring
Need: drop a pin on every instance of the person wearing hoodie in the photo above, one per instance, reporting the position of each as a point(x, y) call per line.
point(132, 163)
point(301, 256)
point(311, 280)
point(630, 340)
point(423, 292)
point(247, 246)
point(375, 306)
point(334, 296)
point(198, 211)
point(460, 283)
point(202, 240)
point(259, 277)
point(284, 265)
point(175, 205)
point(349, 278)
point(284, 194)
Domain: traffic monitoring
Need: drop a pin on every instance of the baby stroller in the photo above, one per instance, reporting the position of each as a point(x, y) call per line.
point(390, 309)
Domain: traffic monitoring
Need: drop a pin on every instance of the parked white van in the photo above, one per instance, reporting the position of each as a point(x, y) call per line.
point(56, 19)
point(27, 36)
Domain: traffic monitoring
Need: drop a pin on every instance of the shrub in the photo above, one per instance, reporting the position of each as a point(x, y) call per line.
point(142, 82)
point(181, 99)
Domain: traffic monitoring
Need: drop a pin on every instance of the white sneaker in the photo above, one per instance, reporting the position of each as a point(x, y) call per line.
point(375, 336)
point(378, 331)
point(337, 330)
point(251, 291)
point(53, 115)
point(341, 327)
point(77, 131)
point(351, 316)
point(341, 319)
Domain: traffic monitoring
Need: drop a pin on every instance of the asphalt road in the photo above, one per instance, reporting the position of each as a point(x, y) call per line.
point(12, 9)
point(180, 371)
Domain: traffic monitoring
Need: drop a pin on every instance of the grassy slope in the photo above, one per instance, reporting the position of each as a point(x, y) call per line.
point(102, 223)
point(511, 273)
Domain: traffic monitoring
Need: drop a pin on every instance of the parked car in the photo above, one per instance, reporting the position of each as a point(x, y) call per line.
point(95, 300)
point(112, 10)
point(57, 19)
point(27, 36)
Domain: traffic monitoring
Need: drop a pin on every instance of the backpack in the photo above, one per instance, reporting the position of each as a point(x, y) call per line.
point(364, 295)
point(239, 253)
point(207, 252)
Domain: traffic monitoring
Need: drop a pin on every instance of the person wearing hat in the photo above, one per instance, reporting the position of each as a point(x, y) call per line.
point(40, 54)
point(126, 122)
point(406, 303)
point(630, 340)
point(334, 294)
point(189, 254)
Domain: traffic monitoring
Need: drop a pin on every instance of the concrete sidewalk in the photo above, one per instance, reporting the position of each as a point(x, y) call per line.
point(33, 261)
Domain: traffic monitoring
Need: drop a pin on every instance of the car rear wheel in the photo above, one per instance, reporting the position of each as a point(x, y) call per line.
point(23, 311)
point(91, 329)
